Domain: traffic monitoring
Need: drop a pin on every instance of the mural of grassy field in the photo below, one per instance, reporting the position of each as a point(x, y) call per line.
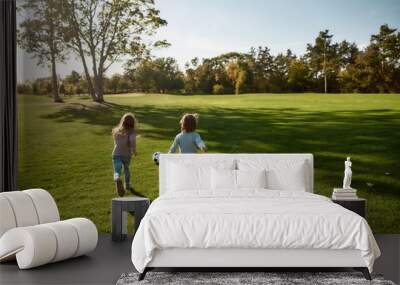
point(66, 147)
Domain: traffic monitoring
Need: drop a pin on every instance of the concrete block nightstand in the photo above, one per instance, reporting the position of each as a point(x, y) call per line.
point(120, 207)
point(357, 205)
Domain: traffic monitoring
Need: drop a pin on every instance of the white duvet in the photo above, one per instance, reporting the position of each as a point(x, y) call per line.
point(250, 219)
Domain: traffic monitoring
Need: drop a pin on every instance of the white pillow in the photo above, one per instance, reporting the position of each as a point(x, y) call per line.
point(185, 178)
point(223, 179)
point(184, 174)
point(251, 178)
point(288, 175)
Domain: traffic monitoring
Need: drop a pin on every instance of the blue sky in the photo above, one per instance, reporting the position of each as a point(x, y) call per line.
point(205, 28)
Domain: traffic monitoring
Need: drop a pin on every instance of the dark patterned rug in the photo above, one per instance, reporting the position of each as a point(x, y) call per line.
point(243, 278)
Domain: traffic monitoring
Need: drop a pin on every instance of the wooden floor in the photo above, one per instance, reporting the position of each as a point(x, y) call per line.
point(110, 260)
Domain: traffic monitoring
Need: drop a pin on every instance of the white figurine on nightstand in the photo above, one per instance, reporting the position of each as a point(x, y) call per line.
point(347, 174)
point(346, 192)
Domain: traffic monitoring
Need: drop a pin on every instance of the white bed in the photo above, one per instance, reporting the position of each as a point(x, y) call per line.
point(203, 220)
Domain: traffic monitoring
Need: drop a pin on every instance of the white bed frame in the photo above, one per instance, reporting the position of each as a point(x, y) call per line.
point(254, 258)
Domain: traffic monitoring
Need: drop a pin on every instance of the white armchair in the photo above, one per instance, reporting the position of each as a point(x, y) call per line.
point(32, 233)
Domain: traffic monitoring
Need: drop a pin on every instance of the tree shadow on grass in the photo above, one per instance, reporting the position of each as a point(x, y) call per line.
point(370, 137)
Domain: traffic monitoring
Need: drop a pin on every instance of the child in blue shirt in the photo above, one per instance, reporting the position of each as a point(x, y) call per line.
point(188, 140)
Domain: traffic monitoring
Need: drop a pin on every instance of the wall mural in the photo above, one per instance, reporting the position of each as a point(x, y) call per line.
point(83, 64)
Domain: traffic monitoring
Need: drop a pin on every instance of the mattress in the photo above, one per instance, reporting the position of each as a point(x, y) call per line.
point(252, 219)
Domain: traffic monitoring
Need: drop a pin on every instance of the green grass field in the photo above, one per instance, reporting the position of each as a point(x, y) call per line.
point(66, 148)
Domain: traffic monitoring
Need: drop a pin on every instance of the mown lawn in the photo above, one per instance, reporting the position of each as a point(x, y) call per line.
point(66, 148)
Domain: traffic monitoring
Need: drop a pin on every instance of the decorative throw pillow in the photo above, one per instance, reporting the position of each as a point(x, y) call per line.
point(223, 179)
point(287, 176)
point(251, 179)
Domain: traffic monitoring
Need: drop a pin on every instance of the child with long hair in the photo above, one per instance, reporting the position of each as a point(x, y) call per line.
point(188, 140)
point(124, 135)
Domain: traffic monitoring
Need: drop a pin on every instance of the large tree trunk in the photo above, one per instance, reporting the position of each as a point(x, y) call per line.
point(51, 43)
point(90, 86)
point(89, 81)
point(87, 74)
point(98, 76)
point(79, 49)
point(98, 81)
point(54, 81)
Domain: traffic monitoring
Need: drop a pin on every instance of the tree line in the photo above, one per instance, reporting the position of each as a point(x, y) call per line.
point(326, 66)
point(102, 31)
